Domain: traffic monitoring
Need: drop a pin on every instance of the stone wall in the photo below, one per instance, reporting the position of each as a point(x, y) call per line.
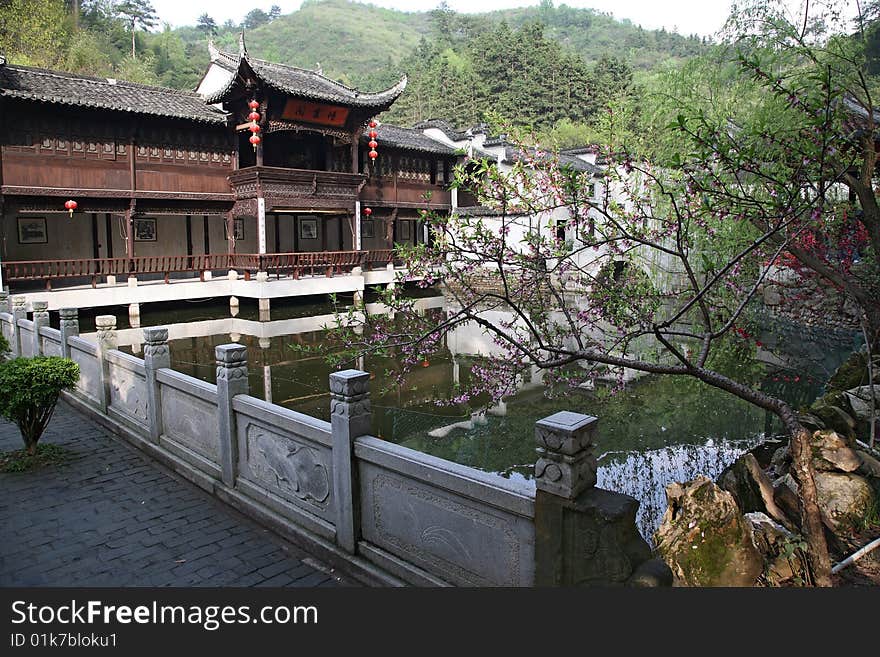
point(380, 512)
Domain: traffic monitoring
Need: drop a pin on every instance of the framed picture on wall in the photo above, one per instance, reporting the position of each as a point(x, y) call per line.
point(367, 228)
point(403, 231)
point(32, 230)
point(238, 228)
point(144, 230)
point(308, 229)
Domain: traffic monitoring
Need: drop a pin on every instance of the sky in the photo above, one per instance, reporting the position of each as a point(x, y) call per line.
point(703, 17)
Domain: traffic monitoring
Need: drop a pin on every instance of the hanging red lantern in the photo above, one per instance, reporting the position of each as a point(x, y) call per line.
point(254, 116)
point(373, 134)
point(255, 139)
point(373, 144)
point(373, 155)
point(372, 124)
point(254, 128)
point(368, 211)
point(70, 206)
point(253, 104)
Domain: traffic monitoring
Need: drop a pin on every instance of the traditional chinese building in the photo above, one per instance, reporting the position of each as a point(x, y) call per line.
point(170, 184)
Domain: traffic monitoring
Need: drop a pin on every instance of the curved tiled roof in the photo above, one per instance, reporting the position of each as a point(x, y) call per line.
point(303, 83)
point(444, 126)
point(60, 88)
point(409, 139)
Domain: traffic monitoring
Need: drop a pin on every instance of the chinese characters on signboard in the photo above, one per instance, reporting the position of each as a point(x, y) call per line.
point(302, 110)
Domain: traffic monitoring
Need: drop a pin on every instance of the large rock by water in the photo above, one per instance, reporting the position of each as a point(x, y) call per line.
point(705, 539)
point(751, 488)
point(843, 497)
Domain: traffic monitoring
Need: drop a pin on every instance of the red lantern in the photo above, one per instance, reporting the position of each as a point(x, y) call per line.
point(70, 206)
point(373, 144)
point(373, 134)
point(253, 104)
point(255, 139)
point(373, 155)
point(254, 116)
point(368, 211)
point(254, 128)
point(372, 124)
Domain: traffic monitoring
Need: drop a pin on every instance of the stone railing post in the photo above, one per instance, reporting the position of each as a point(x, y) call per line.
point(584, 535)
point(350, 417)
point(156, 356)
point(41, 318)
point(107, 341)
point(69, 326)
point(19, 311)
point(232, 380)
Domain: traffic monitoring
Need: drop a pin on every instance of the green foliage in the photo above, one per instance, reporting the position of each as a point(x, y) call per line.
point(34, 32)
point(4, 345)
point(29, 389)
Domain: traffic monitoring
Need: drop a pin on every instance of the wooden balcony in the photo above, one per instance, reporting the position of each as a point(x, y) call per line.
point(394, 192)
point(294, 189)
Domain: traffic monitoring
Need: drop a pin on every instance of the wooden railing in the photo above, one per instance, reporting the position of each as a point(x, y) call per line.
point(294, 265)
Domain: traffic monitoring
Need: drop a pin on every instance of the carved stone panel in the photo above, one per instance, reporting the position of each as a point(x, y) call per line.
point(51, 348)
point(291, 468)
point(457, 538)
point(128, 394)
point(27, 342)
point(89, 382)
point(191, 422)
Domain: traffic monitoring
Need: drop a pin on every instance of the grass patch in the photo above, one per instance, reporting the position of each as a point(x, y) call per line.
point(46, 455)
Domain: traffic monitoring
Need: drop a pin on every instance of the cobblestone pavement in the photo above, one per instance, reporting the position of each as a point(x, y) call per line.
point(111, 517)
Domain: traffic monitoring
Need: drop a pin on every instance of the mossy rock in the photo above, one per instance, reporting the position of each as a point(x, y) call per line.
point(704, 538)
point(851, 374)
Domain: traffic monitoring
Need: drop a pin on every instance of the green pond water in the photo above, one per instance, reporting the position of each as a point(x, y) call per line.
point(657, 430)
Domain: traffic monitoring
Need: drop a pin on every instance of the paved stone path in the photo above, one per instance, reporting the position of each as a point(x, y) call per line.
point(111, 517)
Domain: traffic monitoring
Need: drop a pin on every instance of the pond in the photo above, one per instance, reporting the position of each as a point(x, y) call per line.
point(657, 430)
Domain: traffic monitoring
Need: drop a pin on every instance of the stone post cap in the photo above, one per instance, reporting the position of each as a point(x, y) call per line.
point(230, 355)
point(69, 313)
point(4, 294)
point(18, 301)
point(154, 334)
point(105, 321)
point(349, 383)
point(566, 432)
point(40, 306)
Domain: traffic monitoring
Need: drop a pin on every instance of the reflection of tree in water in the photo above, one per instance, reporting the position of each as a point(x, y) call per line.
point(645, 475)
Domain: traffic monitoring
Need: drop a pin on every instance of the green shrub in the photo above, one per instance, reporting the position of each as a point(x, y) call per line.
point(29, 389)
point(4, 345)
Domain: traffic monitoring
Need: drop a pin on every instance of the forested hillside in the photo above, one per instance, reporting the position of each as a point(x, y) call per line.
point(544, 66)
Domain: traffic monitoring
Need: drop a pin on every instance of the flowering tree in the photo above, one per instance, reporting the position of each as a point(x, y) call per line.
point(771, 167)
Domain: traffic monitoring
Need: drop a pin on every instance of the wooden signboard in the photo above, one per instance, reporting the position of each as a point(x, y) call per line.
point(302, 110)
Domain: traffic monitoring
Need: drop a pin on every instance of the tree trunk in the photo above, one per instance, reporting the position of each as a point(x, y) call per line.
point(811, 517)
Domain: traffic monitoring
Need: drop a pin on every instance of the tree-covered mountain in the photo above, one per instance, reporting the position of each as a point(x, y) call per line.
point(541, 66)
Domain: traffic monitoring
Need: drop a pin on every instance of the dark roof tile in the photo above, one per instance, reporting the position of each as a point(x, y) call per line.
point(303, 83)
point(409, 139)
point(60, 88)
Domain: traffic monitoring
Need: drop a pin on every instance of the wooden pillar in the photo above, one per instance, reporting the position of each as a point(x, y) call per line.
point(207, 235)
point(230, 232)
point(296, 233)
point(129, 233)
point(189, 236)
point(277, 235)
point(96, 246)
point(108, 230)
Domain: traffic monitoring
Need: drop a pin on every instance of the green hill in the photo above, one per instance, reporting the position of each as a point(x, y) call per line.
point(365, 45)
